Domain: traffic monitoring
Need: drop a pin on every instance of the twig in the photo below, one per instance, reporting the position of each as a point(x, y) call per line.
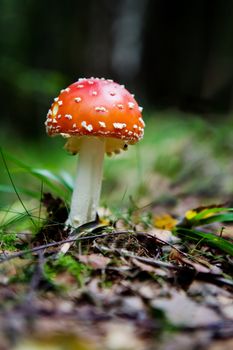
point(164, 242)
point(204, 276)
point(37, 276)
point(54, 244)
point(150, 261)
point(153, 262)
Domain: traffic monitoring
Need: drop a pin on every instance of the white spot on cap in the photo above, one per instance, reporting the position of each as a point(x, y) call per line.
point(132, 95)
point(59, 116)
point(110, 80)
point(100, 109)
point(55, 109)
point(140, 109)
point(87, 127)
point(65, 90)
point(135, 126)
point(56, 99)
point(78, 99)
point(120, 106)
point(74, 125)
point(90, 82)
point(141, 121)
point(102, 124)
point(94, 93)
point(66, 136)
point(54, 121)
point(60, 103)
point(80, 86)
point(68, 116)
point(49, 113)
point(131, 105)
point(119, 125)
point(123, 86)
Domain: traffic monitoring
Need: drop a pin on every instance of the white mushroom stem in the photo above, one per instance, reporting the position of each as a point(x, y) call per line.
point(87, 187)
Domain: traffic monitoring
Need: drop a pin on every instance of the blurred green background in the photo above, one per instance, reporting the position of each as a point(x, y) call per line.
point(176, 56)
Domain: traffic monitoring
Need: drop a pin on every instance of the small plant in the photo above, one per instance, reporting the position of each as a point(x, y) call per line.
point(7, 240)
point(77, 269)
point(194, 220)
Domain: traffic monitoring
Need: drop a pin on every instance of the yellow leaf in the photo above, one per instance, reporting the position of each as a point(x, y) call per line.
point(104, 221)
point(190, 214)
point(54, 342)
point(165, 222)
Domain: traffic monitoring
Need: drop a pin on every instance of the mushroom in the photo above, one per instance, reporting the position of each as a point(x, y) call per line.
point(96, 116)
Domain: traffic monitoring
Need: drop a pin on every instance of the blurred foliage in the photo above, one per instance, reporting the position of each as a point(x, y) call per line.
point(170, 53)
point(180, 155)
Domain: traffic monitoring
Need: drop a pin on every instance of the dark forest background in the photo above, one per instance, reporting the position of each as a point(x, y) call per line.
point(171, 53)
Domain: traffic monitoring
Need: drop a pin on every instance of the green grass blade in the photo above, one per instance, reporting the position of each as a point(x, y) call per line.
point(216, 218)
point(206, 212)
point(207, 238)
point(15, 220)
point(9, 189)
point(67, 180)
point(14, 187)
point(59, 184)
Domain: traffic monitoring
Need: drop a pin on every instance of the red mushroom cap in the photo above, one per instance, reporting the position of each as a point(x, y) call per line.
point(96, 107)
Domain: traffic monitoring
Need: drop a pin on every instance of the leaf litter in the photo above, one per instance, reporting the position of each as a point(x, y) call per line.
point(136, 282)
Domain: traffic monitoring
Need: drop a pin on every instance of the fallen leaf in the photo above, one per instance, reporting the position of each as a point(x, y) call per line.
point(121, 336)
point(197, 340)
point(164, 235)
point(96, 261)
point(225, 344)
point(181, 310)
point(142, 266)
point(165, 222)
point(54, 342)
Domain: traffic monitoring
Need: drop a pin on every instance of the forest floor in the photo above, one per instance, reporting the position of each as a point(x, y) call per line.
point(157, 274)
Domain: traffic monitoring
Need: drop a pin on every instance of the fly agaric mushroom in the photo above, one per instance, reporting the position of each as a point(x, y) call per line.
point(96, 116)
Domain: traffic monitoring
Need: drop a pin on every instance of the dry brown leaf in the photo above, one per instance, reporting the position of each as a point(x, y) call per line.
point(197, 340)
point(96, 261)
point(142, 266)
point(122, 336)
point(226, 344)
point(164, 235)
point(200, 265)
point(182, 310)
